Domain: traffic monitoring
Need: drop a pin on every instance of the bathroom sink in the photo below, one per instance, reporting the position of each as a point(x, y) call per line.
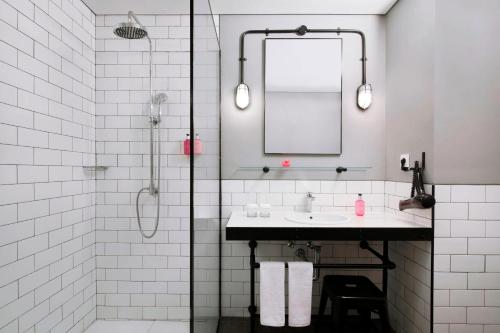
point(316, 218)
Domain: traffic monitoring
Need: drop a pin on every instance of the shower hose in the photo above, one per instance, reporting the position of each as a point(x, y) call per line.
point(152, 189)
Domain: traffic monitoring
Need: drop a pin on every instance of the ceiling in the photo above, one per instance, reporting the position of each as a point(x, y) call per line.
point(243, 6)
point(138, 6)
point(301, 6)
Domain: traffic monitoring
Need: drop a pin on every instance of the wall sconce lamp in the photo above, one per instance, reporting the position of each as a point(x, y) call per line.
point(242, 96)
point(242, 91)
point(365, 96)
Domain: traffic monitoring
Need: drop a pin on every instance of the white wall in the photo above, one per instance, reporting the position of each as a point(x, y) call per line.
point(47, 121)
point(467, 99)
point(442, 89)
point(243, 131)
point(467, 259)
point(138, 278)
point(458, 89)
point(410, 85)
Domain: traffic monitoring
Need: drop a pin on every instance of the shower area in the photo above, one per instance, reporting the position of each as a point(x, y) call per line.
point(157, 171)
point(110, 167)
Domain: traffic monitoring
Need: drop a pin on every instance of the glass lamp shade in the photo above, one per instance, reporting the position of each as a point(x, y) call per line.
point(365, 96)
point(242, 96)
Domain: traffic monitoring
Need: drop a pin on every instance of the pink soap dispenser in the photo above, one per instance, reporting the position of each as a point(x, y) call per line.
point(198, 145)
point(187, 145)
point(359, 205)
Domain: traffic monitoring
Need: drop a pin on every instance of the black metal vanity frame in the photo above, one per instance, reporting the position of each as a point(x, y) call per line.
point(329, 234)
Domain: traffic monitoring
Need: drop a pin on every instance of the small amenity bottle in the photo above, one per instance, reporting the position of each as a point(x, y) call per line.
point(187, 145)
point(198, 146)
point(286, 163)
point(359, 205)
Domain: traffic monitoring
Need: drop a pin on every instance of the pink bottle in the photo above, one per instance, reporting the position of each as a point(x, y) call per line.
point(198, 146)
point(359, 205)
point(187, 145)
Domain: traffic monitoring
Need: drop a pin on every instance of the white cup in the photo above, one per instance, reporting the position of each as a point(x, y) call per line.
point(252, 210)
point(265, 210)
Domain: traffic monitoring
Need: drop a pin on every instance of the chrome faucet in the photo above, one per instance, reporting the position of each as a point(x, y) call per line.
point(309, 202)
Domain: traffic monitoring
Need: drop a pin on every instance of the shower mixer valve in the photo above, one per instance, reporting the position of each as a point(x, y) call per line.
point(155, 120)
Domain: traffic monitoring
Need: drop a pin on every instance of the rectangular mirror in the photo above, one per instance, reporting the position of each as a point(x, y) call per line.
point(303, 96)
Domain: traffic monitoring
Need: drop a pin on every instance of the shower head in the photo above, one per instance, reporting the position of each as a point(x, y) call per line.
point(130, 29)
point(160, 98)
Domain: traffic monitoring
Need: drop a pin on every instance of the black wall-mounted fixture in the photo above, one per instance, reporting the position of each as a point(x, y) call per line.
point(341, 169)
point(421, 200)
point(364, 92)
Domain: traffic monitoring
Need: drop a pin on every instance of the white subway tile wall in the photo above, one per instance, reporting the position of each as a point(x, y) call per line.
point(139, 278)
point(409, 292)
point(47, 133)
point(70, 90)
point(467, 265)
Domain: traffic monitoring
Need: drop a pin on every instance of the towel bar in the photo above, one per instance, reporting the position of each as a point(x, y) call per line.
point(388, 265)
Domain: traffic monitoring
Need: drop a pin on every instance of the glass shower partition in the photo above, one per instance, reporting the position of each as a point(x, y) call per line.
point(205, 169)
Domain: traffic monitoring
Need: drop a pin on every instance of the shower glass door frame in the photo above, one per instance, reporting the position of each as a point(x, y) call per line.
point(205, 219)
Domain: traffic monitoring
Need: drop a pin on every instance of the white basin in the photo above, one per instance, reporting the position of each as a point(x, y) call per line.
point(316, 218)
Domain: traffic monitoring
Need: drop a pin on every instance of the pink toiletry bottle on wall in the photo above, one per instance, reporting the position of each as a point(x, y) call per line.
point(187, 145)
point(198, 145)
point(359, 205)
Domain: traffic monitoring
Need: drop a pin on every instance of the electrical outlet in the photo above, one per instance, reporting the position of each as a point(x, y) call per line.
point(406, 157)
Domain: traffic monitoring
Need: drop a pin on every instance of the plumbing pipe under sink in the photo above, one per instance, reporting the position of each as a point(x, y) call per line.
point(301, 253)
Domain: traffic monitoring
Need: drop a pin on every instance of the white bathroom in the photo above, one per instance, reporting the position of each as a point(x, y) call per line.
point(221, 166)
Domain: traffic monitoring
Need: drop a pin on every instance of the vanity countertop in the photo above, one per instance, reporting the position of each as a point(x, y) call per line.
point(372, 226)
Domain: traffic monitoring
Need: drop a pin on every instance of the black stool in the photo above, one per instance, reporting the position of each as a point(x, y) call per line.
point(353, 292)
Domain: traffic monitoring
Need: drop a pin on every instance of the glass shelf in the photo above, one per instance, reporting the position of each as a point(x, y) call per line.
point(339, 169)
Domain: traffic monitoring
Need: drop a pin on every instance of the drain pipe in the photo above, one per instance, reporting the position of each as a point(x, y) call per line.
point(317, 259)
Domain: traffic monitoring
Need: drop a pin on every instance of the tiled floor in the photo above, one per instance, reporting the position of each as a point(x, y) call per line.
point(242, 325)
point(143, 326)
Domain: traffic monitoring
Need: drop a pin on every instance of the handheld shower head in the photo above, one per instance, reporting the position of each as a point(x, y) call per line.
point(156, 107)
point(160, 98)
point(130, 29)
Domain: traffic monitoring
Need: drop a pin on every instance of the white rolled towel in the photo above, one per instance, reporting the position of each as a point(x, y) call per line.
point(300, 276)
point(272, 293)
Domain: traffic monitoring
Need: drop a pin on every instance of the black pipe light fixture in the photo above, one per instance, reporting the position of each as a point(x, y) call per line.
point(242, 91)
point(242, 96)
point(365, 94)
